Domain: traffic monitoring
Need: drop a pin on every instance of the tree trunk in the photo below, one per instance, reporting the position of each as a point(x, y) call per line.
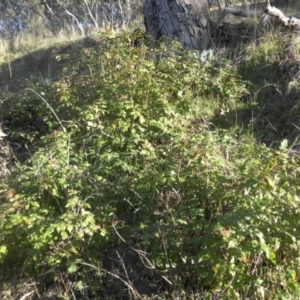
point(184, 20)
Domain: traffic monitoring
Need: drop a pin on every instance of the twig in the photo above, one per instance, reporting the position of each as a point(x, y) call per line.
point(44, 100)
point(141, 254)
point(24, 297)
point(116, 276)
point(135, 292)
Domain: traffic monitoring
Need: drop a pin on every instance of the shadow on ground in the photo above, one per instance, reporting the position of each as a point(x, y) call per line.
point(40, 66)
point(272, 109)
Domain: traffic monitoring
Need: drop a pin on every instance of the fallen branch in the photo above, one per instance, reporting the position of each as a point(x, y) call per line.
point(259, 10)
point(255, 10)
point(292, 23)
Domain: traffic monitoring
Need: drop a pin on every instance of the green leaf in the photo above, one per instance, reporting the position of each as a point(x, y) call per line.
point(183, 222)
point(3, 249)
point(283, 144)
point(72, 268)
point(232, 243)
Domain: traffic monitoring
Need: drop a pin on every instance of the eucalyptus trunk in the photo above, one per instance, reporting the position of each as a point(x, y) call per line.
point(184, 20)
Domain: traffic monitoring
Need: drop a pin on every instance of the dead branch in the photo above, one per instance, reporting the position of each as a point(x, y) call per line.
point(259, 10)
point(292, 23)
point(254, 10)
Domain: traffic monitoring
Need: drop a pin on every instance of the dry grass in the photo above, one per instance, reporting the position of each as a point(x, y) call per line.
point(24, 43)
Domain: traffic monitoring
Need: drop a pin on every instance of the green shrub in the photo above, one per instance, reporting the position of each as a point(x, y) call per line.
point(129, 142)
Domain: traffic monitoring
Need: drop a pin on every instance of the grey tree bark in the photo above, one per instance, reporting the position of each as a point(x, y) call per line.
point(184, 20)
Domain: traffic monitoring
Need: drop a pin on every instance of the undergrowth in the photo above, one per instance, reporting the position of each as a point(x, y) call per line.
point(126, 152)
